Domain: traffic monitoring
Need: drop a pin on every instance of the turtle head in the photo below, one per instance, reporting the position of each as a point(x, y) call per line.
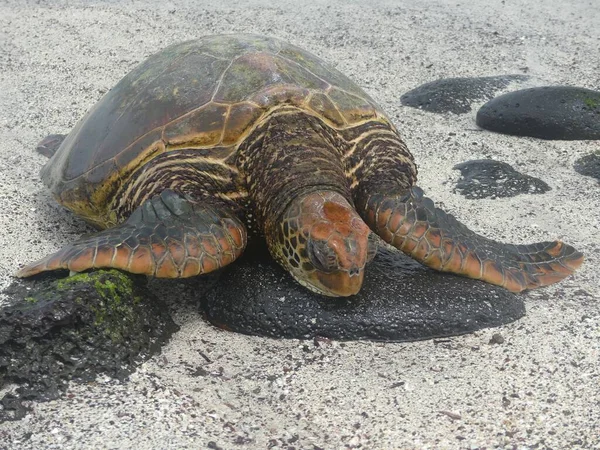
point(324, 244)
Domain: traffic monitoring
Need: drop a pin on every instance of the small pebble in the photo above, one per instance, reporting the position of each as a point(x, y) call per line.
point(497, 338)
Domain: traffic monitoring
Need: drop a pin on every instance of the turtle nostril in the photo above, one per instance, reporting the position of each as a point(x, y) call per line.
point(354, 272)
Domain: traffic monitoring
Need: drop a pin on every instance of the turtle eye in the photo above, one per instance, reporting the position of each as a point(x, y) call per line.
point(322, 256)
point(372, 245)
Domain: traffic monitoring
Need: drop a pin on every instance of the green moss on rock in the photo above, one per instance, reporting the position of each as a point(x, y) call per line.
point(591, 102)
point(112, 313)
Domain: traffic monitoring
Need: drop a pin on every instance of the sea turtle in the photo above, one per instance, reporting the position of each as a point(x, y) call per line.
point(215, 140)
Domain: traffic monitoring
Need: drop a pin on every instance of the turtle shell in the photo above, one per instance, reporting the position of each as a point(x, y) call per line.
point(208, 94)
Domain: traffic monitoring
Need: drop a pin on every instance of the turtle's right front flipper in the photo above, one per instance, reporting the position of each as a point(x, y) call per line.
point(166, 237)
point(411, 223)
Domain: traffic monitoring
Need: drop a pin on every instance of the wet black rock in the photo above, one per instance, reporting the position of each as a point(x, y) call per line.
point(54, 331)
point(400, 301)
point(589, 165)
point(550, 112)
point(486, 178)
point(455, 95)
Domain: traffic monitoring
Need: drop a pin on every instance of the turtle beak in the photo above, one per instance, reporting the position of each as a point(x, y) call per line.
point(342, 283)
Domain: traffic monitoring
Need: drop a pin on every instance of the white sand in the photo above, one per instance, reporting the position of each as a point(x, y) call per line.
point(539, 389)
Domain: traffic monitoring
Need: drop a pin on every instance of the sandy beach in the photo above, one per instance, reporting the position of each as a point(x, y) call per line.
point(209, 388)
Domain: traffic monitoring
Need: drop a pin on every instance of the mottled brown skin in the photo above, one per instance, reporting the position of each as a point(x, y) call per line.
point(214, 140)
point(324, 244)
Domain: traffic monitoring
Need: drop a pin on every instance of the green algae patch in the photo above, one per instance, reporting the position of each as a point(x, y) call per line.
point(113, 286)
point(116, 306)
point(591, 102)
point(75, 328)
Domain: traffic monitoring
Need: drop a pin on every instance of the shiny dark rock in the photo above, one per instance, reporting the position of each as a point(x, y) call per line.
point(550, 112)
point(456, 95)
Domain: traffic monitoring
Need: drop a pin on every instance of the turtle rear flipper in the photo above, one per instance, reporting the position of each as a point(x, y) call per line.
point(50, 144)
point(166, 237)
point(414, 225)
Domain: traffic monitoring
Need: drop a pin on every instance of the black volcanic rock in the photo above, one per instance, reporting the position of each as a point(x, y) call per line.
point(589, 165)
point(551, 112)
point(401, 300)
point(455, 95)
point(56, 330)
point(487, 178)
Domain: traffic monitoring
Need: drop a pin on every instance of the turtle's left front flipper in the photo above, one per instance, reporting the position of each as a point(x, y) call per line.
point(411, 223)
point(167, 237)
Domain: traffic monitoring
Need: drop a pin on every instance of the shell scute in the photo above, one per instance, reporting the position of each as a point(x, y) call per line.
point(229, 47)
point(352, 107)
point(145, 147)
point(248, 74)
point(200, 128)
point(319, 68)
point(290, 94)
point(299, 74)
point(99, 173)
point(322, 105)
point(241, 118)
